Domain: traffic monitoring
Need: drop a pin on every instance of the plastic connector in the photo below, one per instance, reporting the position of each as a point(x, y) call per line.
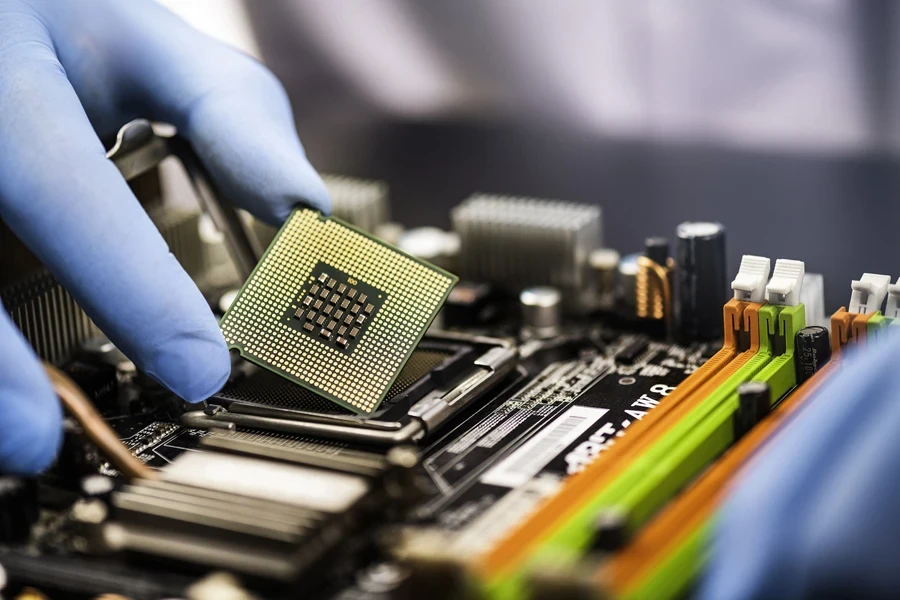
point(750, 283)
point(868, 293)
point(787, 280)
point(812, 296)
point(892, 310)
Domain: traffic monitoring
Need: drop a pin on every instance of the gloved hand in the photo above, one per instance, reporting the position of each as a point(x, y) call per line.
point(71, 70)
point(818, 512)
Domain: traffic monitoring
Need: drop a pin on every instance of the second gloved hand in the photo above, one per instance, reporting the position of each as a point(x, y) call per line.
point(816, 515)
point(71, 71)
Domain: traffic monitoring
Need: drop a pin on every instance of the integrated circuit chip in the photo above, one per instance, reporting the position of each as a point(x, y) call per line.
point(335, 310)
point(341, 321)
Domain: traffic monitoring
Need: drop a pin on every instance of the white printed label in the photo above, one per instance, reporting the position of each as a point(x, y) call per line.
point(317, 489)
point(533, 455)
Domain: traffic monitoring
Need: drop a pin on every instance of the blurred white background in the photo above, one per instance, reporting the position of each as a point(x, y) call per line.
point(810, 75)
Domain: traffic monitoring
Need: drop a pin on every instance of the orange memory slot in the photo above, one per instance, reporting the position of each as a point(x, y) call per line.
point(691, 509)
point(848, 328)
point(739, 316)
point(697, 504)
point(840, 330)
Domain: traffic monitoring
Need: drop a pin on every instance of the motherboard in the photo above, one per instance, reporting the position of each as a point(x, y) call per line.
point(566, 428)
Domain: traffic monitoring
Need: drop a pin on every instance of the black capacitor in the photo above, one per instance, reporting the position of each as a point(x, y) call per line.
point(610, 531)
point(657, 250)
point(812, 349)
point(754, 401)
point(471, 304)
point(18, 508)
point(702, 280)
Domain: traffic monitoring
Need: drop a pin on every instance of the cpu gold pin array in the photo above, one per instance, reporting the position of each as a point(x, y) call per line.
point(351, 363)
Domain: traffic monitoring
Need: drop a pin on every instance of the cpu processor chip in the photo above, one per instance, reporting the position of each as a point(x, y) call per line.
point(335, 310)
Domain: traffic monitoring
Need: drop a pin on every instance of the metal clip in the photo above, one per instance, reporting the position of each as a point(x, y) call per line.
point(868, 293)
point(784, 288)
point(141, 146)
point(892, 310)
point(750, 283)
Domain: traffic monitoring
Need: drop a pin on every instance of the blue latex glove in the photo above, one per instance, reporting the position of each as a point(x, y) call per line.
point(818, 512)
point(73, 69)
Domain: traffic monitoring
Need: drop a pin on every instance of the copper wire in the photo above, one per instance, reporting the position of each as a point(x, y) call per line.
point(100, 433)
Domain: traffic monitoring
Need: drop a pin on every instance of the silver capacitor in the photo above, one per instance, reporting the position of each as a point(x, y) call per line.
point(604, 263)
point(541, 312)
point(432, 244)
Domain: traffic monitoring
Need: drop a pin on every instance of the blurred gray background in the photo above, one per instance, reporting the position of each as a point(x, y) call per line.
point(777, 119)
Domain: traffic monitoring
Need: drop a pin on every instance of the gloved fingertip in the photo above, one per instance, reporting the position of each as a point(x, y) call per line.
point(31, 432)
point(310, 192)
point(246, 137)
point(288, 183)
point(316, 196)
point(193, 366)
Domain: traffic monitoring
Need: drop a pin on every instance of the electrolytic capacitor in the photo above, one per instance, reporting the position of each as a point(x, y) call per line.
point(812, 351)
point(702, 279)
point(541, 311)
point(610, 531)
point(657, 250)
point(604, 263)
point(432, 244)
point(754, 401)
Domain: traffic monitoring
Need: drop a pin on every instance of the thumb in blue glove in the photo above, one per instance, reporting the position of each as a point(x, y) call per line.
point(75, 70)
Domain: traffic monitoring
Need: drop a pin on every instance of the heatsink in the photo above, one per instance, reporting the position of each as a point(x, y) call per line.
point(520, 242)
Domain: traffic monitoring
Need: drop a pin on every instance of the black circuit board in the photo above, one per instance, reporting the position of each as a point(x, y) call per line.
point(498, 465)
point(158, 443)
point(518, 448)
point(490, 469)
point(494, 468)
point(155, 443)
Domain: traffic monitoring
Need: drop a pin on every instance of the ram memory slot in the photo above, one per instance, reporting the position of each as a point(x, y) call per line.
point(563, 518)
point(504, 556)
point(667, 555)
point(675, 458)
point(695, 440)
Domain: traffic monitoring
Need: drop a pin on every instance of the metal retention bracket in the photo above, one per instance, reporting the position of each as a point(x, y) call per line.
point(750, 283)
point(140, 147)
point(784, 288)
point(892, 310)
point(868, 293)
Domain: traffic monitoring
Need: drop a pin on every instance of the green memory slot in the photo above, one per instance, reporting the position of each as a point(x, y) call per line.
point(670, 463)
point(878, 325)
point(673, 575)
